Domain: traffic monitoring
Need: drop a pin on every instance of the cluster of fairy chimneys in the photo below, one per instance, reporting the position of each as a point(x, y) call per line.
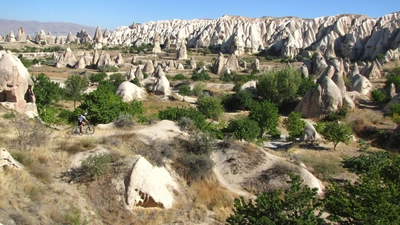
point(42, 38)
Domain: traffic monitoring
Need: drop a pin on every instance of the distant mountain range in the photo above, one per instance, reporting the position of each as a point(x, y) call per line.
point(33, 27)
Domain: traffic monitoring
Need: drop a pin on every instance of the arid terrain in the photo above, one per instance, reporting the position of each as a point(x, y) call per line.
point(50, 186)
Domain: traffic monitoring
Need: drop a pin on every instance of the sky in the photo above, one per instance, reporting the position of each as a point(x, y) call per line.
point(115, 13)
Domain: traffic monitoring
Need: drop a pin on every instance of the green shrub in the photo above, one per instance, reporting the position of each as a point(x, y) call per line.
point(243, 128)
point(96, 166)
point(306, 85)
point(210, 107)
point(294, 125)
point(297, 205)
point(179, 77)
point(336, 132)
point(394, 77)
point(266, 114)
point(97, 77)
point(202, 76)
point(198, 89)
point(337, 115)
point(176, 113)
point(394, 109)
point(279, 86)
point(185, 90)
point(379, 96)
point(242, 100)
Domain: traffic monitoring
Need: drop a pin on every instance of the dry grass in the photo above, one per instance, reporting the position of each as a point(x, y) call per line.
point(209, 194)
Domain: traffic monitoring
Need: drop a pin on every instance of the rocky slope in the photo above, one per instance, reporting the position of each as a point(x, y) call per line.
point(351, 36)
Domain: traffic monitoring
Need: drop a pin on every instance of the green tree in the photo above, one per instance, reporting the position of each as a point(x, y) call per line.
point(104, 106)
point(47, 92)
point(374, 198)
point(185, 90)
point(394, 77)
point(294, 125)
point(75, 85)
point(279, 86)
point(336, 132)
point(266, 114)
point(243, 128)
point(97, 77)
point(242, 100)
point(210, 107)
point(297, 205)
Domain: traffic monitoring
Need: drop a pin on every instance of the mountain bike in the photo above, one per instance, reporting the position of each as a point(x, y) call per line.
point(87, 129)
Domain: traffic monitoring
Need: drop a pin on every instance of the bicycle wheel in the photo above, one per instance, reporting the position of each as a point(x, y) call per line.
point(89, 129)
point(76, 130)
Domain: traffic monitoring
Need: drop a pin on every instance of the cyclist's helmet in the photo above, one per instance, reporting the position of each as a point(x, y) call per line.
point(85, 114)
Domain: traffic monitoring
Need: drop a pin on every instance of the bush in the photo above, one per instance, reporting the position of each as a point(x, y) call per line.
point(176, 113)
point(96, 166)
point(266, 114)
point(210, 107)
point(242, 100)
point(124, 120)
point(179, 77)
point(30, 132)
point(97, 77)
point(336, 132)
point(243, 128)
point(394, 77)
point(202, 76)
point(185, 90)
point(279, 86)
point(306, 85)
point(198, 89)
point(337, 115)
point(379, 96)
point(297, 205)
point(103, 106)
point(374, 198)
point(394, 109)
point(294, 125)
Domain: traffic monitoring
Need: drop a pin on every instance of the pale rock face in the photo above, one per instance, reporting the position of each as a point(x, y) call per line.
point(182, 52)
point(131, 74)
point(138, 73)
point(310, 133)
point(249, 85)
point(49, 38)
point(162, 86)
point(193, 63)
point(119, 60)
point(7, 161)
point(10, 37)
point(320, 100)
point(16, 85)
point(232, 63)
point(356, 36)
point(180, 67)
point(98, 38)
point(83, 37)
point(319, 64)
point(148, 67)
point(392, 91)
point(70, 38)
point(21, 36)
point(361, 84)
point(150, 186)
point(256, 64)
point(372, 70)
point(156, 44)
point(129, 91)
point(219, 65)
point(104, 59)
point(67, 59)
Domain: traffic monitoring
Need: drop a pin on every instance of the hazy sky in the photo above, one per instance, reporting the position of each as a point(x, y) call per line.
point(115, 13)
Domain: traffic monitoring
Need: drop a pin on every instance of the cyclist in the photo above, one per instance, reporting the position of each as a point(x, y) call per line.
point(81, 122)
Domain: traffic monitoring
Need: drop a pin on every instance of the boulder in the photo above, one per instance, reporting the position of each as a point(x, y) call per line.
point(10, 37)
point(310, 134)
point(193, 63)
point(66, 59)
point(182, 52)
point(16, 85)
point(21, 36)
point(148, 67)
point(129, 91)
point(150, 186)
point(138, 73)
point(361, 84)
